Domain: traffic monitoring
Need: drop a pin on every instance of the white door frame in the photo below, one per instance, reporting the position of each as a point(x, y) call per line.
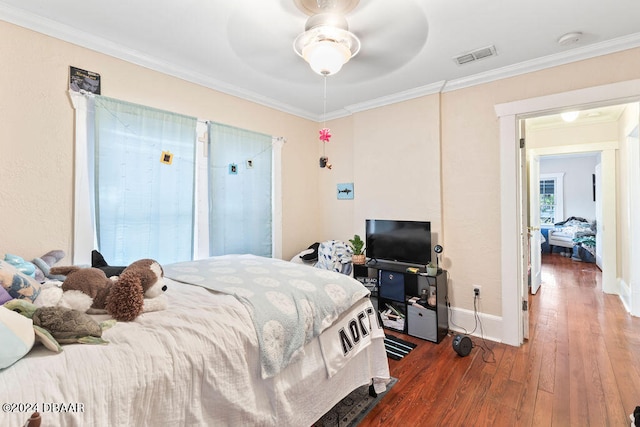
point(634, 189)
point(523, 223)
point(535, 235)
point(509, 114)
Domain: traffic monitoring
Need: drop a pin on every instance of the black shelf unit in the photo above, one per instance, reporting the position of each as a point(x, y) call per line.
point(395, 287)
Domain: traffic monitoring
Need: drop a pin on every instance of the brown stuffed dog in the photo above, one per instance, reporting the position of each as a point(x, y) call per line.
point(139, 288)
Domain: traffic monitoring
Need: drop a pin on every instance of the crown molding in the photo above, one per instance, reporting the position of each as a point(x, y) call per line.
point(394, 98)
point(63, 32)
point(578, 54)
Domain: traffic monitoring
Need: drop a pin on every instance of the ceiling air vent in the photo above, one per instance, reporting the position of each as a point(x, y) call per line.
point(475, 55)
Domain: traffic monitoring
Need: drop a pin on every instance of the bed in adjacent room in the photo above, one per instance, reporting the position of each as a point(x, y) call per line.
point(245, 340)
point(577, 235)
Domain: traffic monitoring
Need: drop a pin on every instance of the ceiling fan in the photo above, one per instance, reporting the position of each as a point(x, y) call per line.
point(391, 35)
point(327, 42)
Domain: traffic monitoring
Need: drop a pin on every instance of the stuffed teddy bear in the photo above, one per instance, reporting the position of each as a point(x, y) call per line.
point(138, 289)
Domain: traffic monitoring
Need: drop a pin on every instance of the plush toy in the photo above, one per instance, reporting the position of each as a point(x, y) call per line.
point(45, 262)
point(58, 325)
point(139, 288)
point(24, 267)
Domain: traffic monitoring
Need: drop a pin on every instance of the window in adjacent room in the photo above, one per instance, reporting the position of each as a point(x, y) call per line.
point(551, 198)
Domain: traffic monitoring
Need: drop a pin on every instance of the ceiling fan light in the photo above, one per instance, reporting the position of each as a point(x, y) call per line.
point(326, 48)
point(326, 57)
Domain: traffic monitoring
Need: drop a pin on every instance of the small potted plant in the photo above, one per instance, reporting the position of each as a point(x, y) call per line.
point(432, 269)
point(357, 245)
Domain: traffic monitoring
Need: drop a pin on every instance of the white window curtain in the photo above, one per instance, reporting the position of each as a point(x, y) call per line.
point(551, 198)
point(144, 182)
point(240, 191)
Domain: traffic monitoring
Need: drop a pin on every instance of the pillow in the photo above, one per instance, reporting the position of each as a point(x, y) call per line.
point(18, 285)
point(16, 335)
point(4, 296)
point(45, 262)
point(24, 267)
point(44, 271)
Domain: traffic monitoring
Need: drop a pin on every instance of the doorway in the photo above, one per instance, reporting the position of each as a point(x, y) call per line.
point(511, 228)
point(569, 180)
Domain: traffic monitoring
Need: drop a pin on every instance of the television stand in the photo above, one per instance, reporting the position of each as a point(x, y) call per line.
point(394, 266)
point(396, 288)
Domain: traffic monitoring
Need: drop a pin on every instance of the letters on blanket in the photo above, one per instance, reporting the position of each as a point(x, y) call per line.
point(350, 335)
point(289, 303)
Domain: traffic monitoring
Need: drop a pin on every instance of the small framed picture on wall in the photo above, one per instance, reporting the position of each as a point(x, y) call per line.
point(345, 191)
point(80, 79)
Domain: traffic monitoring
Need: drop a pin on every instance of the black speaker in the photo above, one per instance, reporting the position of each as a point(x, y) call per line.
point(462, 345)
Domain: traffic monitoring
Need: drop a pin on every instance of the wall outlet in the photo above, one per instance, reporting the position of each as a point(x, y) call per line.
point(476, 290)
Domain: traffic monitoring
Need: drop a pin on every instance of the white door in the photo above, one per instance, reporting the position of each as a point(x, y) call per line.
point(534, 224)
point(524, 232)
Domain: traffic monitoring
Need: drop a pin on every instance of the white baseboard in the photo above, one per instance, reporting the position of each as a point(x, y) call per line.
point(624, 292)
point(487, 326)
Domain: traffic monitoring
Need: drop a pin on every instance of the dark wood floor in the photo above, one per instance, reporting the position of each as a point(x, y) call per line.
point(580, 367)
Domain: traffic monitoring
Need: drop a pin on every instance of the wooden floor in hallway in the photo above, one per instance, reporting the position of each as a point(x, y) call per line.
point(580, 367)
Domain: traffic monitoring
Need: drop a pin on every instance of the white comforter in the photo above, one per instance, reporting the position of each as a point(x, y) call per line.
point(290, 304)
point(194, 364)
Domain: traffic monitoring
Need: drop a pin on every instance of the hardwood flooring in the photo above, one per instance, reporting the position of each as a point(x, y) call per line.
point(580, 366)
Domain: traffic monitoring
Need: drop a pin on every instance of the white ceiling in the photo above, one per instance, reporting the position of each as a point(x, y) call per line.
point(244, 47)
point(598, 115)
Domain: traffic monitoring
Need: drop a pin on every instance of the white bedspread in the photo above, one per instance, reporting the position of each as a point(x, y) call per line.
point(194, 364)
point(290, 304)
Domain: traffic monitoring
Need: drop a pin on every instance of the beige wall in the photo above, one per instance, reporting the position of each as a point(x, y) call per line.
point(396, 151)
point(435, 157)
point(36, 138)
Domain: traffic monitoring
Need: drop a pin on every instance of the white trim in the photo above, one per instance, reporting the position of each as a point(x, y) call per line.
point(72, 35)
point(201, 220)
point(391, 99)
point(558, 191)
point(625, 294)
point(633, 166)
point(276, 230)
point(464, 321)
point(510, 244)
point(84, 237)
point(578, 54)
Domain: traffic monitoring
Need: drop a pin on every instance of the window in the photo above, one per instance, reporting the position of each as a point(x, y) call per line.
point(551, 198)
point(240, 191)
point(144, 182)
point(142, 185)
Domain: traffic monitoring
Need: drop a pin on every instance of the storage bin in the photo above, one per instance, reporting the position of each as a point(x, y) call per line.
point(422, 323)
point(392, 285)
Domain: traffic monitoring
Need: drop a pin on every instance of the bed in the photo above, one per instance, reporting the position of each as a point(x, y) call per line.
point(203, 361)
point(576, 234)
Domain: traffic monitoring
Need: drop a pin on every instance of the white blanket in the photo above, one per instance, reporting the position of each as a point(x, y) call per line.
point(350, 335)
point(290, 304)
point(195, 364)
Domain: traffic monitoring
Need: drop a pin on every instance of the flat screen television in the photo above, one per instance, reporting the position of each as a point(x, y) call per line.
point(398, 241)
